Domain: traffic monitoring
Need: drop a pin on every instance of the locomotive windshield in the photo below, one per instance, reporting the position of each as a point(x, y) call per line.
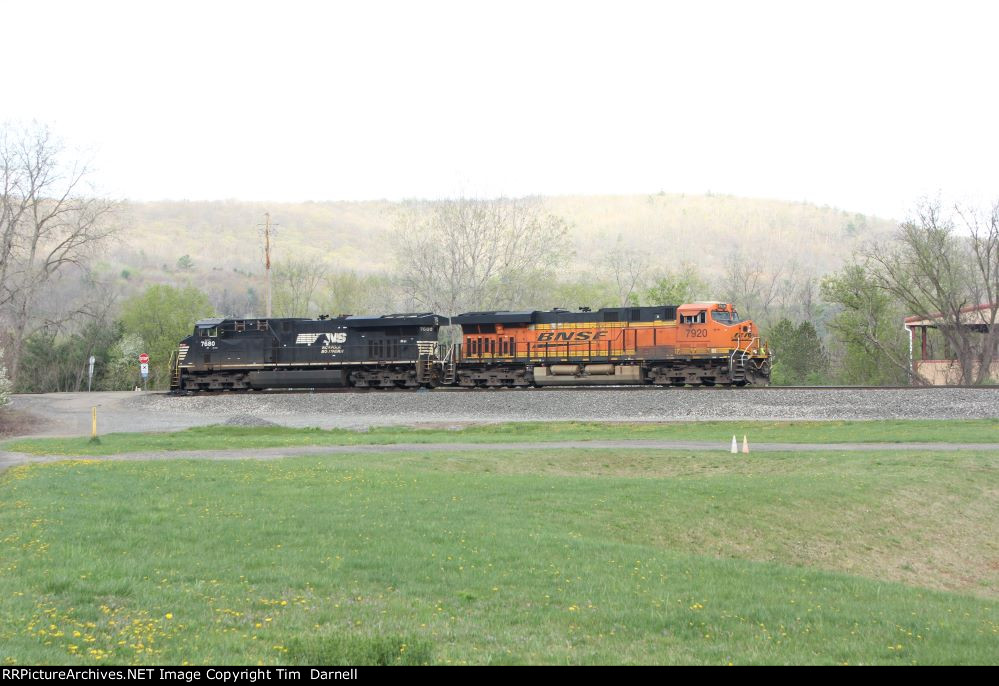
point(727, 318)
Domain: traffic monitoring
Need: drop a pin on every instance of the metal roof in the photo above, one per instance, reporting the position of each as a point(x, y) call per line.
point(209, 323)
point(604, 314)
point(971, 315)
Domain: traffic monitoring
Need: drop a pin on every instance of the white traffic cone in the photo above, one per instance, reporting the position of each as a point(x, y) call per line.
point(735, 445)
point(745, 444)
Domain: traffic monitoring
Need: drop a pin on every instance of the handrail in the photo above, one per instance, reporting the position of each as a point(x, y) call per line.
point(445, 352)
point(749, 348)
point(743, 353)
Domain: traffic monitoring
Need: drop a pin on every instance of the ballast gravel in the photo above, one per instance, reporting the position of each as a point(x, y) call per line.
point(69, 414)
point(379, 408)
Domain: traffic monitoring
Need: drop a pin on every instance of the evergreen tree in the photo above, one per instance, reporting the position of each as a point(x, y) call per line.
point(799, 356)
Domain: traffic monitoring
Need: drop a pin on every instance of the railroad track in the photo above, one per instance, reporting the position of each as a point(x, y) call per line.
point(548, 389)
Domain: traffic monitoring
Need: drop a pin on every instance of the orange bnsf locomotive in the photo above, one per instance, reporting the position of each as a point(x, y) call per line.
point(700, 344)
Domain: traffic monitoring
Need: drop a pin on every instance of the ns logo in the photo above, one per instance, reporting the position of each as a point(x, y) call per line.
point(331, 337)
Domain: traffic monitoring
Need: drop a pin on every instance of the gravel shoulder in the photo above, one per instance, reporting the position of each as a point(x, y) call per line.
point(68, 414)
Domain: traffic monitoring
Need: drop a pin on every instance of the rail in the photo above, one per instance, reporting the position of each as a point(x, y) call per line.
point(644, 388)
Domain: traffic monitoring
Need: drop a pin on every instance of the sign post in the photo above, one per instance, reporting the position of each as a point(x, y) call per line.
point(144, 368)
point(90, 372)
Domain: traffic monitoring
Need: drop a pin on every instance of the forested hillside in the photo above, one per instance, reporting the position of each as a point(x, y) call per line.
point(699, 229)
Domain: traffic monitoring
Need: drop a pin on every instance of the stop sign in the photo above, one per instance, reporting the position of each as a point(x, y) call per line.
point(143, 358)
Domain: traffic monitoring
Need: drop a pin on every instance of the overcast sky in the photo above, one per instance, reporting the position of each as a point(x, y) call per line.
point(864, 106)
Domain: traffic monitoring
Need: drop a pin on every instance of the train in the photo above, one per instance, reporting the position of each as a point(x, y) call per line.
point(695, 344)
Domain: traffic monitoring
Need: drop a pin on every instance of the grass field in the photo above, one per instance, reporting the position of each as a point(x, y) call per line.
point(231, 437)
point(560, 556)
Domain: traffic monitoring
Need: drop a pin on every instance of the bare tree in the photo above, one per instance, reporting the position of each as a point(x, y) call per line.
point(455, 255)
point(807, 298)
point(629, 268)
point(48, 221)
point(4, 382)
point(786, 289)
point(347, 292)
point(752, 284)
point(941, 273)
point(295, 284)
point(676, 286)
point(984, 230)
point(72, 319)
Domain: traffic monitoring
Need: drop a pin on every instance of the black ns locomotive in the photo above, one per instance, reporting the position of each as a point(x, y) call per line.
point(390, 351)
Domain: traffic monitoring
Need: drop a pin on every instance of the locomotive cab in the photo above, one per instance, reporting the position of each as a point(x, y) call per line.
point(744, 330)
point(725, 314)
point(696, 328)
point(714, 326)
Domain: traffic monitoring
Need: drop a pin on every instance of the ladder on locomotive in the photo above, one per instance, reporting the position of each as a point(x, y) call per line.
point(737, 361)
point(449, 367)
point(737, 366)
point(174, 365)
point(427, 360)
point(424, 368)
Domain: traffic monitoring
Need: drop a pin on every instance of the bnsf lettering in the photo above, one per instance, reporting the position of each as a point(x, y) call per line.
point(555, 336)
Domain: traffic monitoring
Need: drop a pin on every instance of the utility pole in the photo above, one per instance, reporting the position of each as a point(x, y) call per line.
point(267, 263)
point(267, 257)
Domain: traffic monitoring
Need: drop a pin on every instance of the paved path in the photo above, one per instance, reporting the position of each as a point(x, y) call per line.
point(8, 459)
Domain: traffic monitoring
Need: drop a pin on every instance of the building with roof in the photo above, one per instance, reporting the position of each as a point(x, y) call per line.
point(931, 356)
